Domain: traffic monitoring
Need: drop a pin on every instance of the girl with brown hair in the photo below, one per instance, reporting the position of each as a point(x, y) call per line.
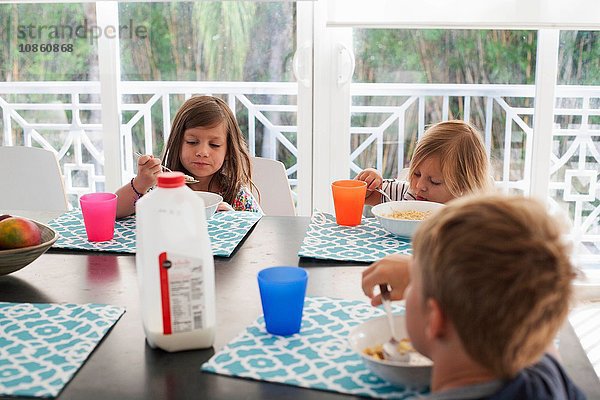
point(207, 144)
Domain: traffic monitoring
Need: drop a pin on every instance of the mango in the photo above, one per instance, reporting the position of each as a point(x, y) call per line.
point(16, 232)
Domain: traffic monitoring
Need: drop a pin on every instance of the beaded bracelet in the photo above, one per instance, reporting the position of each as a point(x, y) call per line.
point(138, 194)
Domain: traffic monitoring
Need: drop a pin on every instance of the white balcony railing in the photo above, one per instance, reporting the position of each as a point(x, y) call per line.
point(65, 117)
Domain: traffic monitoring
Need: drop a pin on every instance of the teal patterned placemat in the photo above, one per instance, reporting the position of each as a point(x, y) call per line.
point(319, 357)
point(71, 234)
point(226, 231)
point(367, 242)
point(43, 345)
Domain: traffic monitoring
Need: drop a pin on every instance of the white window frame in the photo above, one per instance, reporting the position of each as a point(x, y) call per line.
point(465, 14)
point(109, 65)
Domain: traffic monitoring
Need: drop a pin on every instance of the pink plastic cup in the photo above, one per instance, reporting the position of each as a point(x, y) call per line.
point(99, 213)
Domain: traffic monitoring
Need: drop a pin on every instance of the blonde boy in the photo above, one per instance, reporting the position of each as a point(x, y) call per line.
point(490, 285)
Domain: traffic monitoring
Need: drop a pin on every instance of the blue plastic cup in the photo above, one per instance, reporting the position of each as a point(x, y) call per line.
point(282, 291)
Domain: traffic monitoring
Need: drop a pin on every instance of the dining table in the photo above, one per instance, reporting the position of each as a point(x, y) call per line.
point(124, 366)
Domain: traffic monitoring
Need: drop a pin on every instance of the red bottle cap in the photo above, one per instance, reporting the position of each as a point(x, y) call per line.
point(171, 179)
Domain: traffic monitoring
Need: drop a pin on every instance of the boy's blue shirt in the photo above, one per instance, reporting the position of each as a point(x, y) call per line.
point(544, 380)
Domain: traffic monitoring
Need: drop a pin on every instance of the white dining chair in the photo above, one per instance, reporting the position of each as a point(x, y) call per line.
point(30, 179)
point(270, 178)
point(403, 174)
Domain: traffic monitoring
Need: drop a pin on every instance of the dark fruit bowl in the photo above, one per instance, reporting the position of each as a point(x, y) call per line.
point(14, 259)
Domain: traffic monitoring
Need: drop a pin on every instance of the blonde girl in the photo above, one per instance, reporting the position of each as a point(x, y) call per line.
point(449, 161)
point(207, 144)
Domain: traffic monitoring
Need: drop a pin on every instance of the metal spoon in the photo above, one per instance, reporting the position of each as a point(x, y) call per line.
point(384, 194)
point(390, 348)
point(188, 179)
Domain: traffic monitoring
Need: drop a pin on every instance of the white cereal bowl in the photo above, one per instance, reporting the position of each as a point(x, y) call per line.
point(376, 331)
point(402, 227)
point(211, 202)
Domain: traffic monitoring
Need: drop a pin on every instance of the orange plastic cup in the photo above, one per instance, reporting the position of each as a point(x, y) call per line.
point(348, 200)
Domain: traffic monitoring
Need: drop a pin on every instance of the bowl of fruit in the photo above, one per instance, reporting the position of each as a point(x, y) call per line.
point(22, 241)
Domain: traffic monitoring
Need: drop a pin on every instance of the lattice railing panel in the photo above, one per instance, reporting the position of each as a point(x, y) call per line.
point(386, 120)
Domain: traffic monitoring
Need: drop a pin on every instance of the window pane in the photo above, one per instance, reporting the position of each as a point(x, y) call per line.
point(48, 84)
point(414, 78)
point(575, 160)
point(40, 40)
point(445, 56)
point(240, 51)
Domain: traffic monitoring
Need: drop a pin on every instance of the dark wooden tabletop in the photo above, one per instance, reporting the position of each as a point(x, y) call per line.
point(123, 366)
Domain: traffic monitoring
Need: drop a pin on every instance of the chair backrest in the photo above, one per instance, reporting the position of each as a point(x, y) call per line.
point(403, 174)
point(270, 178)
point(30, 179)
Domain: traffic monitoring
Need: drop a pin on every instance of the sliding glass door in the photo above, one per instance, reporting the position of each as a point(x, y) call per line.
point(386, 70)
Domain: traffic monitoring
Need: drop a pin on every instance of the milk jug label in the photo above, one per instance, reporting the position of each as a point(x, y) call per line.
point(181, 292)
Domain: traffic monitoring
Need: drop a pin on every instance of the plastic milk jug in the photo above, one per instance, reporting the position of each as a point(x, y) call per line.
point(175, 267)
